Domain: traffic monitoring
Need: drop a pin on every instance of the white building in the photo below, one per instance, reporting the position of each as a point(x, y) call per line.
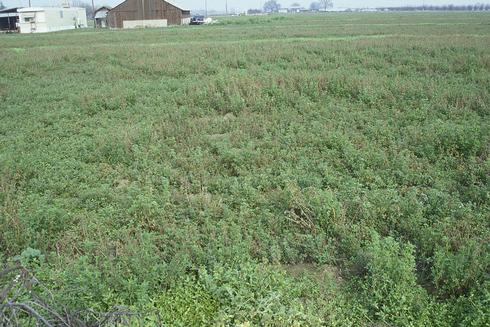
point(50, 19)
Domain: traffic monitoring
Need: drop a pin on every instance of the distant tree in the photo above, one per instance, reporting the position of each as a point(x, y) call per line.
point(81, 4)
point(315, 6)
point(325, 4)
point(272, 6)
point(1, 5)
point(254, 11)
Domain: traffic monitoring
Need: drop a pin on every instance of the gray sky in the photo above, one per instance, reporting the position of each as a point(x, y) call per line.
point(246, 4)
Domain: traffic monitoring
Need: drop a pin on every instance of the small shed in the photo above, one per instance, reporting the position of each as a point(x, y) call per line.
point(100, 16)
point(51, 19)
point(9, 19)
point(147, 13)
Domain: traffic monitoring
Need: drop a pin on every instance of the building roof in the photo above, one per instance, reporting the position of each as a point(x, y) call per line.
point(9, 10)
point(103, 8)
point(172, 3)
point(178, 3)
point(36, 9)
point(29, 9)
point(101, 12)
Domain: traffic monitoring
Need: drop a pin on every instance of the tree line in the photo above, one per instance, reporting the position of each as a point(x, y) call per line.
point(448, 7)
point(272, 6)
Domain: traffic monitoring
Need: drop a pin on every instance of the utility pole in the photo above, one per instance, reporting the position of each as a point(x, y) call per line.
point(226, 4)
point(206, 7)
point(93, 10)
point(143, 10)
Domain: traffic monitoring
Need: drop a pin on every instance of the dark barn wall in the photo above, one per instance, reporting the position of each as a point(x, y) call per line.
point(152, 9)
point(8, 23)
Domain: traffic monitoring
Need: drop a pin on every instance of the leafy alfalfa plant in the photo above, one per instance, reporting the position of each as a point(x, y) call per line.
point(388, 284)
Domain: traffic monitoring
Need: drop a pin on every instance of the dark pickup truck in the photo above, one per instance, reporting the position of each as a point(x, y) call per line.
point(197, 20)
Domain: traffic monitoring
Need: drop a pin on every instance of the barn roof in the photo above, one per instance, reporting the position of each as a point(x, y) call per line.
point(176, 3)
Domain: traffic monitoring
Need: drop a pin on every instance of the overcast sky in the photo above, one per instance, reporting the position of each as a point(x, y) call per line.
point(246, 4)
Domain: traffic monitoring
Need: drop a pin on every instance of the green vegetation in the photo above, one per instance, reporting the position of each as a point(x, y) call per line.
point(300, 170)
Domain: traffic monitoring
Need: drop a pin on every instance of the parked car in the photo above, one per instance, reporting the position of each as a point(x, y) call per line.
point(197, 20)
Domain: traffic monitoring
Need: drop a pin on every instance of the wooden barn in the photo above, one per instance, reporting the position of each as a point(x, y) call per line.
point(147, 10)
